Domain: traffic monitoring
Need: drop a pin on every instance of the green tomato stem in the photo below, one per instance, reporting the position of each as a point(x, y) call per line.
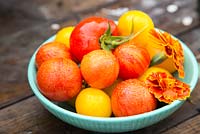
point(109, 42)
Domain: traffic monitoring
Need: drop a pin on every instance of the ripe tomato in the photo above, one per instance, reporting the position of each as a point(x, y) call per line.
point(99, 68)
point(168, 64)
point(131, 97)
point(63, 35)
point(59, 79)
point(139, 22)
point(52, 50)
point(86, 35)
point(93, 102)
point(133, 60)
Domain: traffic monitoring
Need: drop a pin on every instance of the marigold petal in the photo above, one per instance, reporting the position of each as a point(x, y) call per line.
point(172, 48)
point(167, 88)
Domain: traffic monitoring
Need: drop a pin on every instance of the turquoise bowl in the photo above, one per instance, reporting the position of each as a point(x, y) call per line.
point(114, 124)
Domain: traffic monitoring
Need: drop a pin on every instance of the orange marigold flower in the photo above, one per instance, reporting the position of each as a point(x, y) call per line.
point(166, 88)
point(172, 48)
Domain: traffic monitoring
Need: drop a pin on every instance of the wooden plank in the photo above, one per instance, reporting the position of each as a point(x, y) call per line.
point(185, 112)
point(192, 39)
point(191, 126)
point(195, 97)
point(30, 117)
point(16, 51)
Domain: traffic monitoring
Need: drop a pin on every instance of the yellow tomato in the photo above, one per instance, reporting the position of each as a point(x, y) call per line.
point(140, 22)
point(168, 64)
point(63, 35)
point(93, 102)
point(151, 70)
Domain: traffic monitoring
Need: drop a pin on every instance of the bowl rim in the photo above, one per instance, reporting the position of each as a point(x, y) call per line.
point(42, 98)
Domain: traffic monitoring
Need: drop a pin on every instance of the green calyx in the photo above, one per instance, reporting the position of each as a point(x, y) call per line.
point(158, 58)
point(109, 42)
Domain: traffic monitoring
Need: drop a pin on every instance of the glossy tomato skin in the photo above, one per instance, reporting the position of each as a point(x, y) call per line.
point(99, 68)
point(59, 79)
point(133, 60)
point(131, 97)
point(85, 36)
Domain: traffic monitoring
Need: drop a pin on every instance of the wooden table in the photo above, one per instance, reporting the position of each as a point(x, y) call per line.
point(26, 24)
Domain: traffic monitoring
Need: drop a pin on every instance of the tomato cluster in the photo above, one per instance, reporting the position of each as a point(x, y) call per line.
point(99, 55)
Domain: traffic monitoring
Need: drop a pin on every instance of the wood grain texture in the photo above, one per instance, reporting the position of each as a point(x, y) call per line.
point(16, 50)
point(190, 126)
point(185, 112)
point(29, 116)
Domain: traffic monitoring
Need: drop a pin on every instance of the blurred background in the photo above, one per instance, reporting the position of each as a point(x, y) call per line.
point(18, 15)
point(25, 24)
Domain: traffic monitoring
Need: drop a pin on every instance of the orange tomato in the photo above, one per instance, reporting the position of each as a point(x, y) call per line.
point(52, 50)
point(59, 79)
point(131, 97)
point(99, 68)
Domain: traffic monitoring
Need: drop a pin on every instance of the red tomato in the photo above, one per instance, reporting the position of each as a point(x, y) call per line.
point(86, 35)
point(133, 60)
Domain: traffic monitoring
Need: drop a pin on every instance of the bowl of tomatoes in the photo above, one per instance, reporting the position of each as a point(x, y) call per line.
point(104, 77)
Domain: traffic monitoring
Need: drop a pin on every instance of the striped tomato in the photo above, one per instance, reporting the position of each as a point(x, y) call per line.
point(133, 60)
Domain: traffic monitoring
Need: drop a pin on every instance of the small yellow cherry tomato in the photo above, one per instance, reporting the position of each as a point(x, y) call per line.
point(63, 35)
point(168, 64)
point(140, 22)
point(93, 102)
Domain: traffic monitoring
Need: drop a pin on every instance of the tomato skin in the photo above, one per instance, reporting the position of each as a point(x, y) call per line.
point(93, 102)
point(133, 60)
point(59, 79)
point(85, 36)
point(131, 97)
point(99, 68)
point(52, 50)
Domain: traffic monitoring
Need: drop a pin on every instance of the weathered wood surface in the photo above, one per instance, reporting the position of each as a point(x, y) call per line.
point(190, 126)
point(25, 27)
